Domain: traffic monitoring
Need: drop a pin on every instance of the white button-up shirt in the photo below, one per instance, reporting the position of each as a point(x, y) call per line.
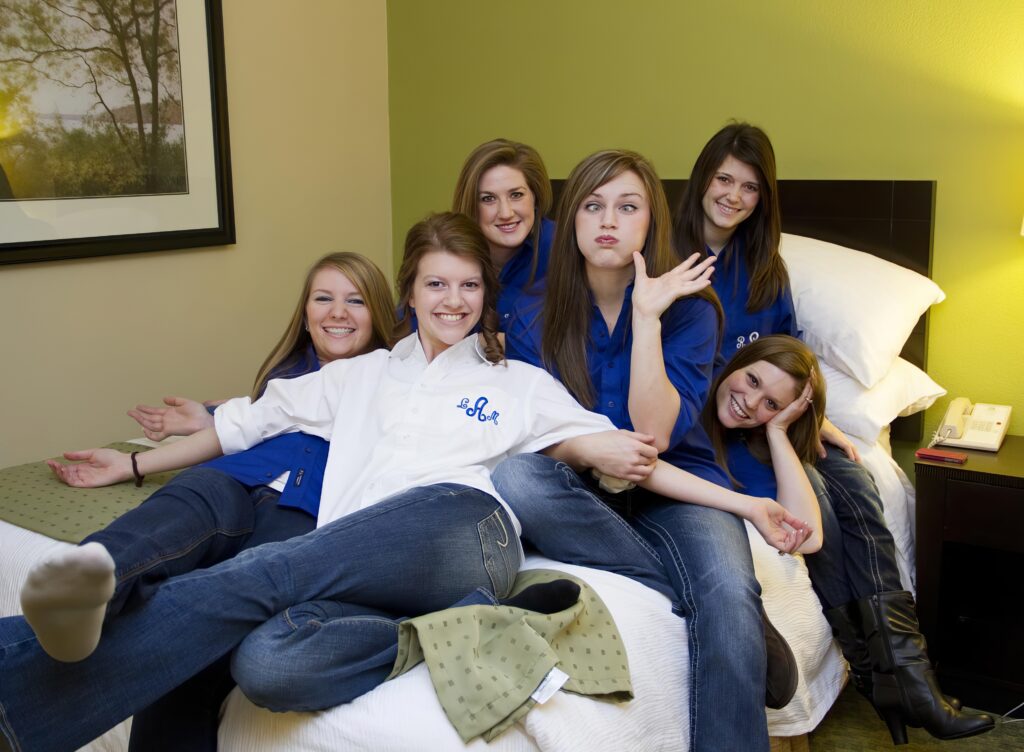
point(396, 421)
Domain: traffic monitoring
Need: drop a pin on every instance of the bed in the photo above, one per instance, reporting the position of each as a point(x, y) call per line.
point(868, 388)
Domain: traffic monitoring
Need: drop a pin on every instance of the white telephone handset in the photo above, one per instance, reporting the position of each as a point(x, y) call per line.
point(978, 426)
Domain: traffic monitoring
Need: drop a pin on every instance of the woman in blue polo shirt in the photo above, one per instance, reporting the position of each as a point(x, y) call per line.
point(271, 492)
point(730, 210)
point(504, 186)
point(763, 416)
point(634, 338)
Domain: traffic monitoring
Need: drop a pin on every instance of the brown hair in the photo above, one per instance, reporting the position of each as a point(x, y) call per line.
point(373, 286)
point(793, 357)
point(460, 236)
point(502, 151)
point(762, 229)
point(567, 311)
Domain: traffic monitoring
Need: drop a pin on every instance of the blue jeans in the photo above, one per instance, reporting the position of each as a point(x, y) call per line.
point(323, 653)
point(699, 557)
point(858, 556)
point(412, 553)
point(200, 518)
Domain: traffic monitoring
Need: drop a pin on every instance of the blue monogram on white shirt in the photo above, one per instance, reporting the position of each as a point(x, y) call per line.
point(477, 410)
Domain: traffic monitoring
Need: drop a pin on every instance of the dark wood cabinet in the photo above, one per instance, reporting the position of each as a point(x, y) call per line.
point(970, 573)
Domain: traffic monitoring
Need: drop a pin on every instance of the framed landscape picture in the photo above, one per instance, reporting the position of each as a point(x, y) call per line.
point(113, 128)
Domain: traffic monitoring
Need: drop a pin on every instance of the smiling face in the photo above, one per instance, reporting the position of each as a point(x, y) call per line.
point(337, 317)
point(753, 395)
point(448, 297)
point(505, 211)
point(731, 197)
point(612, 222)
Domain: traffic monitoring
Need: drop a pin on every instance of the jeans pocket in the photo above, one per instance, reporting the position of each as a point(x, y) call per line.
point(500, 551)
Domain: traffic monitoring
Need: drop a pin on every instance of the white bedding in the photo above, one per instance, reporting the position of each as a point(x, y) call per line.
point(405, 715)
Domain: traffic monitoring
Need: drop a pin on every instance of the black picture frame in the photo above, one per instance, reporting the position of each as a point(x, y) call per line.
point(217, 166)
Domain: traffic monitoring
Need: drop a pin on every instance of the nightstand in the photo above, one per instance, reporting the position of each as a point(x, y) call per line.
point(970, 573)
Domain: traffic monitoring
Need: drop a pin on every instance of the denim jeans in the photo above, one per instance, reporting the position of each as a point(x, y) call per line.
point(201, 517)
point(412, 553)
point(858, 556)
point(697, 556)
point(323, 653)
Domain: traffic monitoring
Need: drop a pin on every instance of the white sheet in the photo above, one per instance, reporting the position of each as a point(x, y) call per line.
point(405, 715)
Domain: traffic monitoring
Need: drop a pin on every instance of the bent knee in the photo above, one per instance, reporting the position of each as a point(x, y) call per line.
point(266, 681)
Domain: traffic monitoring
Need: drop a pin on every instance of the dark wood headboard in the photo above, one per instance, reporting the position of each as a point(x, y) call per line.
point(891, 219)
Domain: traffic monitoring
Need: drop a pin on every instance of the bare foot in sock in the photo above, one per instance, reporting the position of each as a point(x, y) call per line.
point(65, 598)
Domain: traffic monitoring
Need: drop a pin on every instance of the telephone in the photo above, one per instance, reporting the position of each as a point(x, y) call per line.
point(977, 426)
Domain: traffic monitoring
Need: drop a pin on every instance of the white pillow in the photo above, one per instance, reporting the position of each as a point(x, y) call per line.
point(856, 310)
point(863, 413)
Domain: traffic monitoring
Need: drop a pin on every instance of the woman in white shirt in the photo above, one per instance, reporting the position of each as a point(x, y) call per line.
point(409, 521)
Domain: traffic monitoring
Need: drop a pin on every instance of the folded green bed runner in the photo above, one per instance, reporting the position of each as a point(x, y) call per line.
point(487, 663)
point(31, 497)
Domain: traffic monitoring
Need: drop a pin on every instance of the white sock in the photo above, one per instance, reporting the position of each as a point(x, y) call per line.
point(65, 599)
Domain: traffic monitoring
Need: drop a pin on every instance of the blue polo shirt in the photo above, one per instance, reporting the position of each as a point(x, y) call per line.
point(515, 274)
point(732, 283)
point(758, 479)
point(689, 337)
point(304, 457)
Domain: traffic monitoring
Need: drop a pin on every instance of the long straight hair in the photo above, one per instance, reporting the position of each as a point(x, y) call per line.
point(792, 356)
point(761, 230)
point(460, 236)
point(567, 310)
point(502, 151)
point(371, 283)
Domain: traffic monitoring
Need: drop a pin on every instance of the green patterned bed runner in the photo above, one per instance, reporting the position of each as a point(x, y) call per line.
point(31, 497)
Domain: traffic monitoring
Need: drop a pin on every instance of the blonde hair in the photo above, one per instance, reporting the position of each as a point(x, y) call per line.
point(373, 286)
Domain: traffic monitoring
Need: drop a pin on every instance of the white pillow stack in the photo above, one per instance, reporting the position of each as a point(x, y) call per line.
point(856, 312)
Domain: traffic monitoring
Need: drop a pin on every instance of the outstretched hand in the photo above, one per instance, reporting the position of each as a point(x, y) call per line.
point(780, 529)
point(181, 417)
point(97, 467)
point(653, 295)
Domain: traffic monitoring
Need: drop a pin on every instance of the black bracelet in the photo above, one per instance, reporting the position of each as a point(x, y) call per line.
point(135, 472)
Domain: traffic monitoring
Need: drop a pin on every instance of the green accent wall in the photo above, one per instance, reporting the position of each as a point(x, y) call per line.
point(866, 89)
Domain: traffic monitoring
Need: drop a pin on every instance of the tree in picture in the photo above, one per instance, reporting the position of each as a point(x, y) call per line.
point(90, 99)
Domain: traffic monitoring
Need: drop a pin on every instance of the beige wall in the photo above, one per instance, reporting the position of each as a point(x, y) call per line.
point(81, 341)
